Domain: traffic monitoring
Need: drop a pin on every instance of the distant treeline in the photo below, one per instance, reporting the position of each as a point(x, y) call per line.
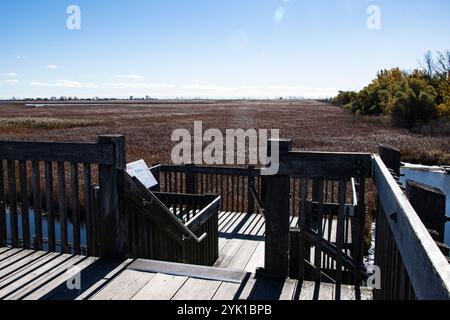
point(64, 98)
point(409, 98)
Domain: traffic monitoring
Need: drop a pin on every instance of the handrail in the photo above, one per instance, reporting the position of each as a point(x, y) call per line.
point(354, 193)
point(147, 198)
point(258, 201)
point(428, 270)
point(187, 233)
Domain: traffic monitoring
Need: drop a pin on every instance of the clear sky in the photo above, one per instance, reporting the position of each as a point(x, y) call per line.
point(210, 48)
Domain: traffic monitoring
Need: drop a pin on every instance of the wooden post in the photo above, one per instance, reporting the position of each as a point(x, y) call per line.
point(190, 179)
point(156, 170)
point(276, 204)
point(294, 252)
point(391, 158)
point(112, 223)
point(429, 204)
point(250, 184)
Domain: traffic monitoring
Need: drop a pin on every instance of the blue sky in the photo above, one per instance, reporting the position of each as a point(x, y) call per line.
point(210, 48)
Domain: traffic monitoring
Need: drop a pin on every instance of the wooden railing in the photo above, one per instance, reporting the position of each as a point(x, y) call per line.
point(171, 227)
point(411, 264)
point(46, 191)
point(47, 197)
point(340, 229)
point(231, 184)
point(310, 251)
point(72, 198)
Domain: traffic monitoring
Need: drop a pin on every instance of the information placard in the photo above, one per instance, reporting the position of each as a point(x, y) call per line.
point(140, 170)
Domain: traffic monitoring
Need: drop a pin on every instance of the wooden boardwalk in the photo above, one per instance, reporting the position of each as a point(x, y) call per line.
point(241, 240)
point(29, 274)
point(32, 275)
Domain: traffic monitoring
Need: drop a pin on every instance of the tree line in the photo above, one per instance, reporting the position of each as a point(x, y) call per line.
point(409, 98)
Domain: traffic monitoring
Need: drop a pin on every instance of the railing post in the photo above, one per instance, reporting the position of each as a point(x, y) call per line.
point(190, 179)
point(156, 171)
point(391, 158)
point(250, 184)
point(429, 204)
point(112, 233)
point(276, 204)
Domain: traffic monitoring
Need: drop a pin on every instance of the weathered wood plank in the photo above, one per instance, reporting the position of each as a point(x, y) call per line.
point(3, 249)
point(197, 289)
point(124, 284)
point(314, 291)
point(325, 164)
point(24, 204)
point(62, 206)
point(94, 279)
point(429, 203)
point(161, 287)
point(113, 235)
point(340, 231)
point(75, 207)
point(9, 252)
point(187, 270)
point(89, 208)
point(257, 259)
point(274, 289)
point(243, 255)
point(276, 205)
point(50, 206)
point(37, 205)
point(391, 157)
point(20, 261)
point(42, 281)
point(302, 229)
point(227, 291)
point(426, 266)
point(50, 151)
point(58, 279)
point(15, 257)
point(33, 273)
point(13, 203)
point(204, 215)
point(3, 230)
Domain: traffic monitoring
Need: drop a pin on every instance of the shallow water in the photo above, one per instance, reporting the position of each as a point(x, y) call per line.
point(45, 229)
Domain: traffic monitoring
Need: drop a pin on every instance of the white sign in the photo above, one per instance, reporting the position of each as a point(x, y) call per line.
point(140, 170)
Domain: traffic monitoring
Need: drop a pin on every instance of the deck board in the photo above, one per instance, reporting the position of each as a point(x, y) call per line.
point(46, 278)
point(44, 289)
point(31, 275)
point(128, 283)
point(13, 267)
point(197, 289)
point(161, 287)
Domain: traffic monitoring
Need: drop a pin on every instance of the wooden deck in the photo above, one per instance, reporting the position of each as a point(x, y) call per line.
point(241, 240)
point(32, 275)
point(29, 274)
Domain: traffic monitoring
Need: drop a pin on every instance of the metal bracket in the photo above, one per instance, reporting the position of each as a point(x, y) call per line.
point(393, 216)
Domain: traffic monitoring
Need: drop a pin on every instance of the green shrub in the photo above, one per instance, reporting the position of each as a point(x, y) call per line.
point(414, 103)
point(343, 98)
point(410, 99)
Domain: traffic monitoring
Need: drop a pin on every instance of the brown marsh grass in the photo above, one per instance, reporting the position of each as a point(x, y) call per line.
point(148, 127)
